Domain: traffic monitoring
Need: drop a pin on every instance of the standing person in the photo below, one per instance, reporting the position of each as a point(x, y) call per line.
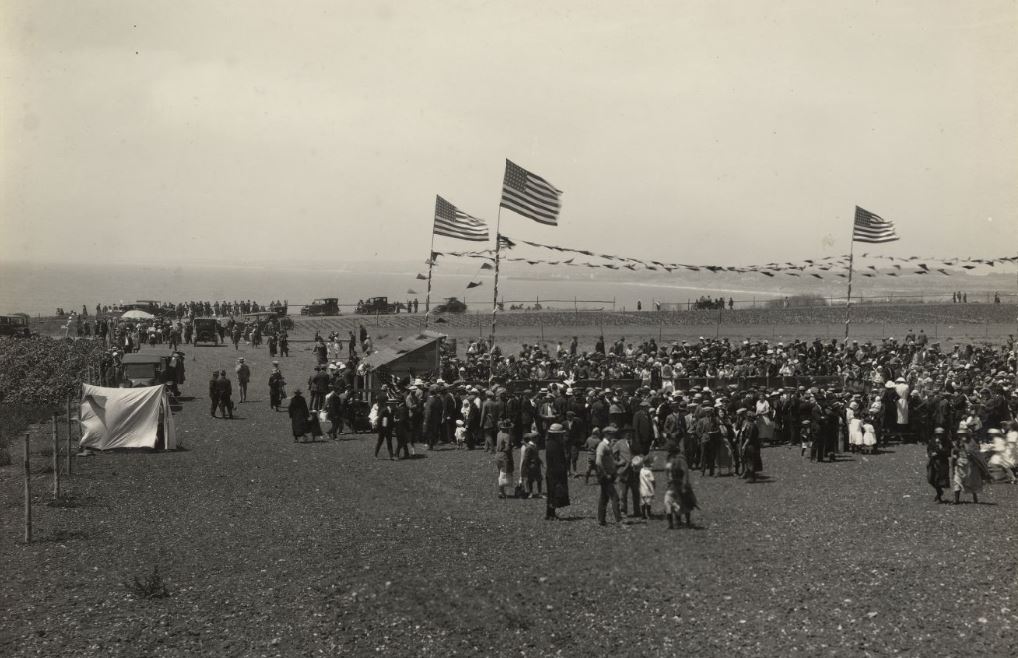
point(591, 446)
point(628, 479)
point(504, 457)
point(530, 465)
point(749, 443)
point(643, 429)
point(214, 393)
point(606, 474)
point(967, 467)
point(434, 407)
point(680, 501)
point(938, 466)
point(384, 420)
point(243, 376)
point(334, 411)
point(647, 483)
point(284, 345)
point(709, 434)
point(491, 413)
point(225, 389)
point(556, 470)
point(235, 336)
point(272, 341)
point(299, 413)
point(276, 387)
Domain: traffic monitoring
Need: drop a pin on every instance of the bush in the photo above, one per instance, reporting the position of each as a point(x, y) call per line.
point(152, 587)
point(45, 371)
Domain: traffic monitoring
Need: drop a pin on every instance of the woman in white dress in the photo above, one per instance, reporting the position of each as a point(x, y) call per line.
point(764, 421)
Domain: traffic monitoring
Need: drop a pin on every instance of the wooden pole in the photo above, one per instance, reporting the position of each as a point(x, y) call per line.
point(56, 461)
point(68, 435)
point(494, 294)
point(28, 494)
point(848, 300)
point(431, 264)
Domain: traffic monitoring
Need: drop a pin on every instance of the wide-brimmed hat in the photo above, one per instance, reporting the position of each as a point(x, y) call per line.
point(556, 428)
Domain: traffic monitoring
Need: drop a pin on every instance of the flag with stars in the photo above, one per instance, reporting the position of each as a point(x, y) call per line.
point(530, 195)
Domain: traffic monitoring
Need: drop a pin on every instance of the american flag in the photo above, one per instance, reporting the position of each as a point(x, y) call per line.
point(505, 243)
point(872, 228)
point(530, 195)
point(452, 222)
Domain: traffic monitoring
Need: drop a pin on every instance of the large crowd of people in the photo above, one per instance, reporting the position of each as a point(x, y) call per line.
point(709, 406)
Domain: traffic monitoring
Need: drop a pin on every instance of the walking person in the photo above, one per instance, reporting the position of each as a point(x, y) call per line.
point(225, 390)
point(243, 376)
point(298, 412)
point(967, 466)
point(276, 387)
point(384, 421)
point(680, 501)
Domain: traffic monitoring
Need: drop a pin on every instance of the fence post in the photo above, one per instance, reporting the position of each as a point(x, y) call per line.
point(68, 435)
point(56, 461)
point(576, 308)
point(28, 494)
point(613, 304)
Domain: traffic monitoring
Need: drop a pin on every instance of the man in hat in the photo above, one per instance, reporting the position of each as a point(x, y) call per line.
point(298, 412)
point(243, 376)
point(492, 412)
point(627, 476)
point(607, 472)
point(385, 426)
point(434, 408)
point(214, 392)
point(643, 429)
point(556, 470)
point(224, 390)
point(938, 467)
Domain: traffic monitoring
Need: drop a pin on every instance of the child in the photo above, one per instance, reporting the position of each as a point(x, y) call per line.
point(806, 434)
point(461, 434)
point(869, 436)
point(646, 486)
point(530, 464)
point(679, 498)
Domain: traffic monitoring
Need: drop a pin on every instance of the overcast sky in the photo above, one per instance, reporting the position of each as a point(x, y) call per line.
point(721, 132)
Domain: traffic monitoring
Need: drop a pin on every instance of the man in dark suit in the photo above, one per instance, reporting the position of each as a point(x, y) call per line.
point(214, 392)
point(224, 390)
point(492, 412)
point(627, 477)
point(643, 429)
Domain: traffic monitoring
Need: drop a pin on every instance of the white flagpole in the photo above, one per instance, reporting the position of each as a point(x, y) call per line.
point(851, 259)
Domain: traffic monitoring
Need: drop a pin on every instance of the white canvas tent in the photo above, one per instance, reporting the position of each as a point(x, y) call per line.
point(136, 314)
point(126, 418)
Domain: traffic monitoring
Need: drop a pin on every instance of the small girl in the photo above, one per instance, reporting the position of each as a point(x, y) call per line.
point(646, 485)
point(461, 434)
point(869, 436)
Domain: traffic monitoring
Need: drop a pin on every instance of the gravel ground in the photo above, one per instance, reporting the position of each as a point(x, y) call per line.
point(274, 548)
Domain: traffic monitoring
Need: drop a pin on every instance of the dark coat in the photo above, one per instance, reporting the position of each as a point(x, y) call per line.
point(556, 469)
point(298, 411)
point(643, 432)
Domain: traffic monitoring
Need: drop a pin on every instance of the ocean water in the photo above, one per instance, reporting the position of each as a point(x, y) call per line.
point(39, 289)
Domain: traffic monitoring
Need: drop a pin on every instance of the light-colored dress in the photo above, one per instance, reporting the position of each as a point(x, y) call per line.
point(855, 435)
point(764, 422)
point(869, 435)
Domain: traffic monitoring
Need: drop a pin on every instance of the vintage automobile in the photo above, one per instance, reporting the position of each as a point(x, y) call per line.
point(323, 306)
point(206, 330)
point(14, 325)
point(451, 305)
point(375, 306)
point(138, 369)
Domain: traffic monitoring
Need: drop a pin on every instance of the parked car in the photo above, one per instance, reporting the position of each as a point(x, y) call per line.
point(206, 330)
point(374, 306)
point(451, 305)
point(323, 306)
point(143, 369)
point(14, 325)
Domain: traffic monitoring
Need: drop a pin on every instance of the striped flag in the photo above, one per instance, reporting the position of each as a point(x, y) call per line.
point(530, 195)
point(872, 228)
point(452, 222)
point(505, 243)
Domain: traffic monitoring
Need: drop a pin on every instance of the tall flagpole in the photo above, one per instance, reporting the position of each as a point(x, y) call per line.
point(494, 300)
point(431, 264)
point(848, 304)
